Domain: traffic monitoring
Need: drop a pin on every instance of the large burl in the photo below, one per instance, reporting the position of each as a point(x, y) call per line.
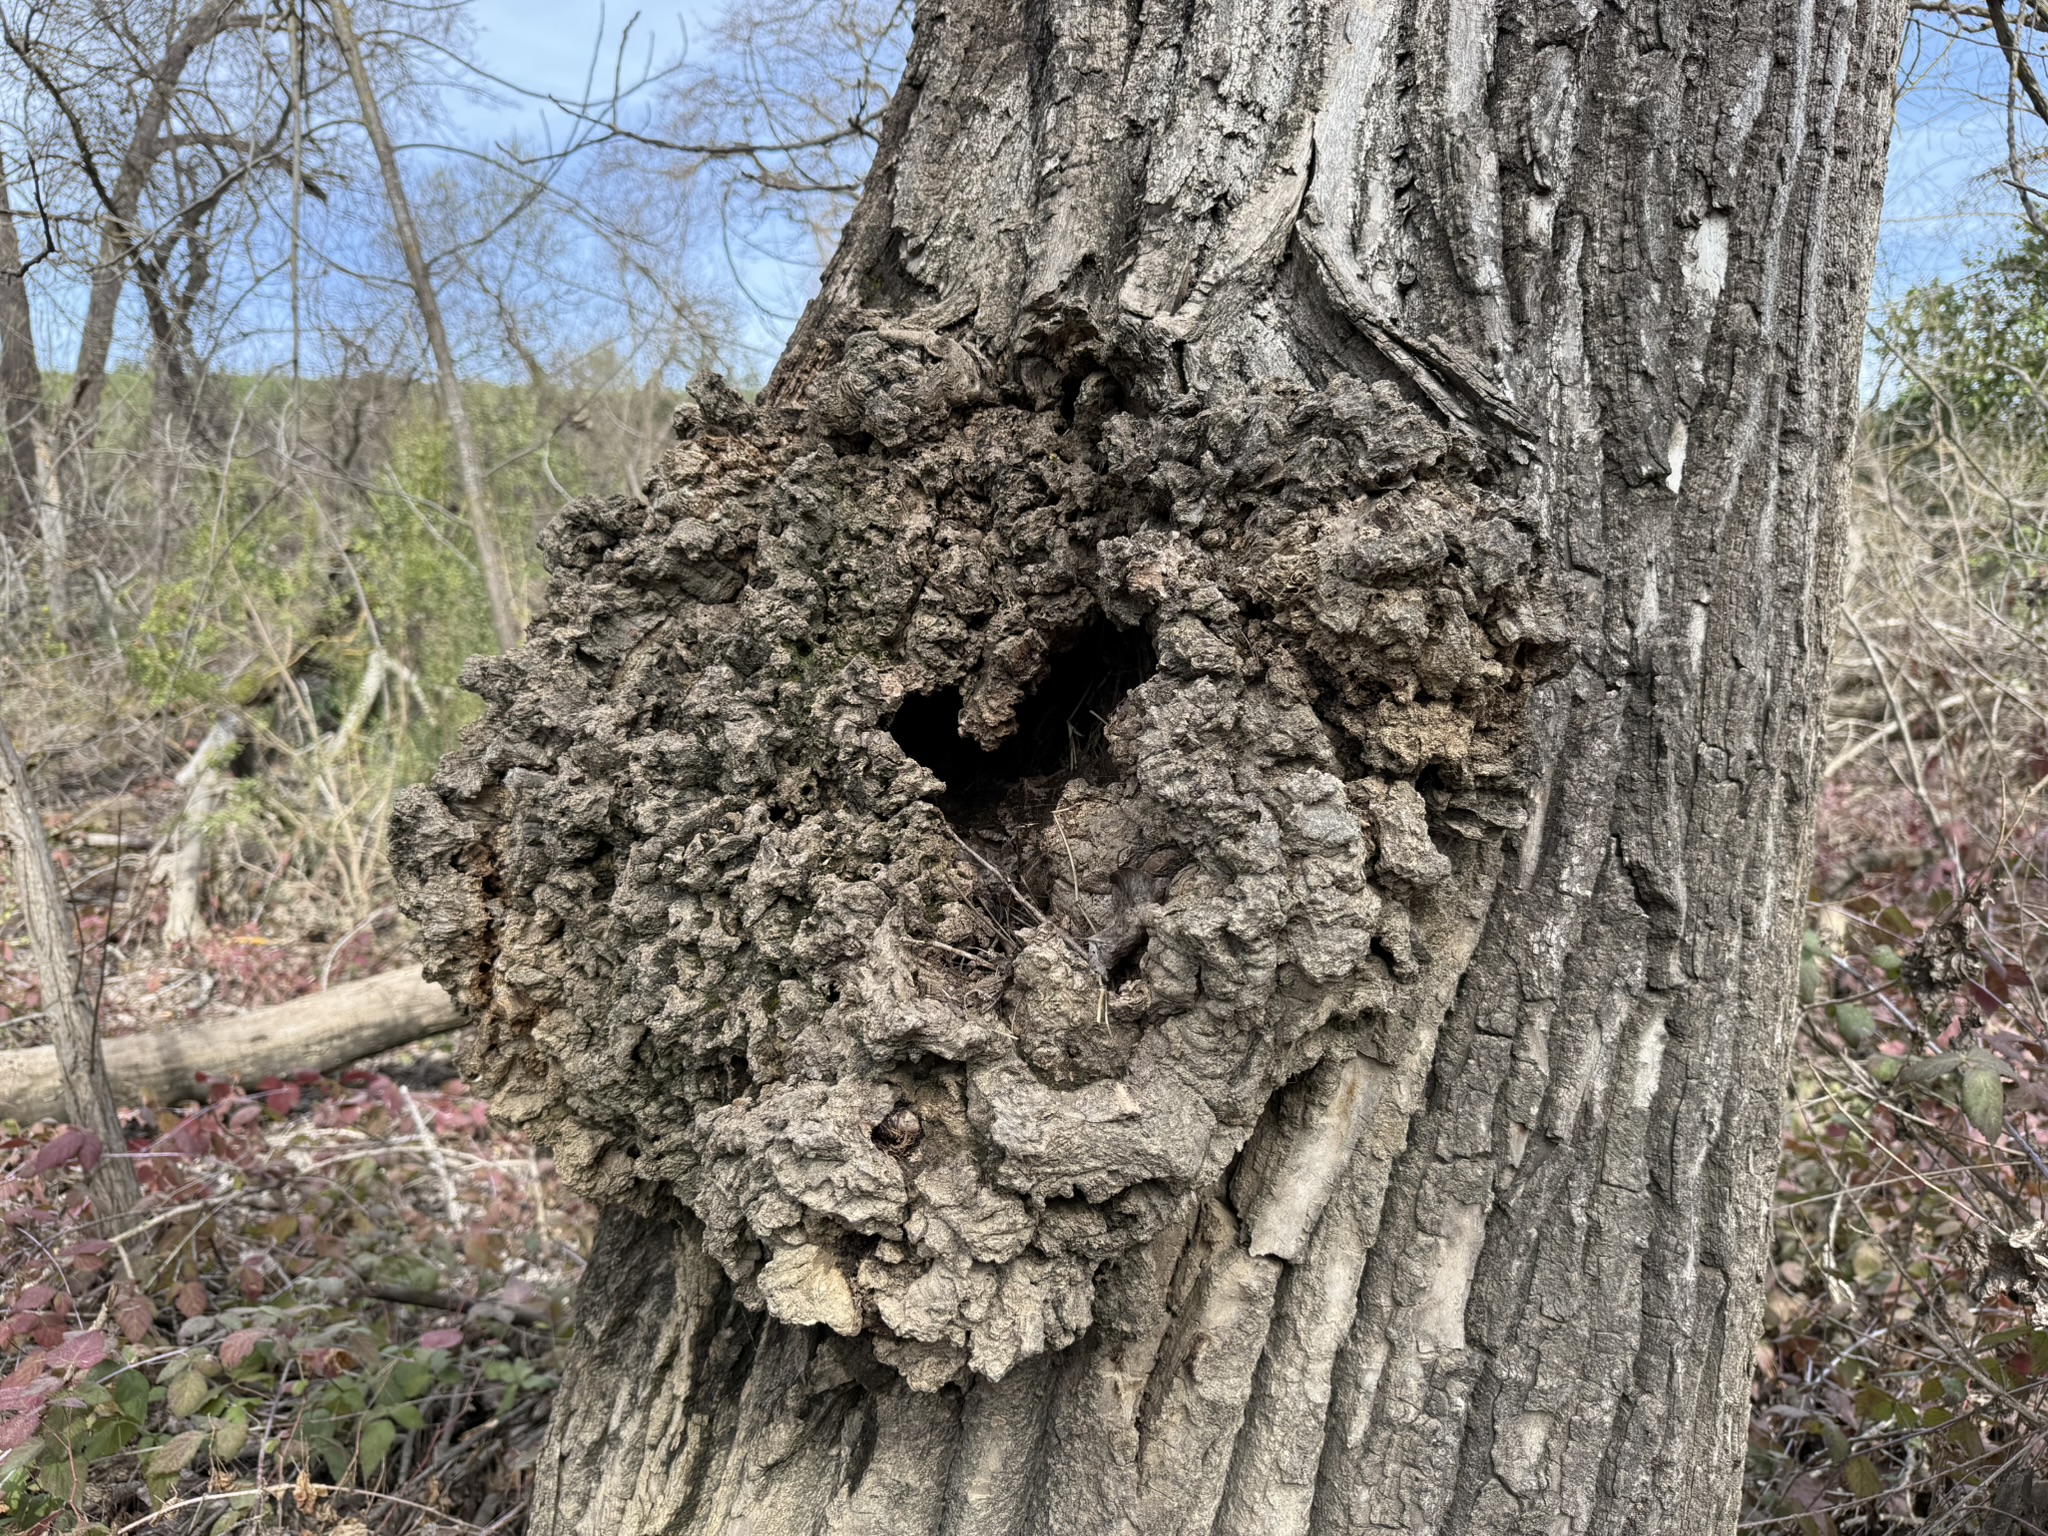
point(920, 836)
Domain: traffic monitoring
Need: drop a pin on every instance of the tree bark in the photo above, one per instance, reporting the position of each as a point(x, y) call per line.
point(490, 554)
point(21, 378)
point(1162, 894)
point(74, 1024)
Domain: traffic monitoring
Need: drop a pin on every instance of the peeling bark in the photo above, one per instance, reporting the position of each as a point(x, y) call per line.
point(1160, 893)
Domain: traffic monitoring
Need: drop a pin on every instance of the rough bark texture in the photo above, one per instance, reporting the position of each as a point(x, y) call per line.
point(1160, 894)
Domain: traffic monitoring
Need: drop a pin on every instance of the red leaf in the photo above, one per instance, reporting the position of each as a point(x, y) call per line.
point(190, 1299)
point(67, 1145)
point(240, 1345)
point(17, 1430)
point(282, 1101)
point(326, 1362)
point(441, 1338)
point(36, 1297)
point(14, 1399)
point(79, 1352)
point(28, 1369)
point(134, 1316)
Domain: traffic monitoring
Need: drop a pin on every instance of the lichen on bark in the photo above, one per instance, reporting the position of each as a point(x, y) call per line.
point(922, 833)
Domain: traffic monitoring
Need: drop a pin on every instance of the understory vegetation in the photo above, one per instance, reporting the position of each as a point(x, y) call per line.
point(1898, 1381)
point(342, 1295)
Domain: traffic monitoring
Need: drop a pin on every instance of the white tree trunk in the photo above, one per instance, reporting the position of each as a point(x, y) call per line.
point(206, 781)
point(1162, 895)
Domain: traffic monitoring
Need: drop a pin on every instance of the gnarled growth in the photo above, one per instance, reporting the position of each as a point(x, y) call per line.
point(922, 1054)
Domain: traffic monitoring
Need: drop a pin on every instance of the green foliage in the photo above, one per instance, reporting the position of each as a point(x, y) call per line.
point(309, 566)
point(237, 1328)
point(1973, 353)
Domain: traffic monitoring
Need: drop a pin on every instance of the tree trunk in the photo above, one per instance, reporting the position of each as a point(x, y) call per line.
point(1162, 894)
point(21, 374)
point(55, 453)
point(121, 211)
point(490, 554)
point(74, 1023)
point(32, 471)
point(206, 782)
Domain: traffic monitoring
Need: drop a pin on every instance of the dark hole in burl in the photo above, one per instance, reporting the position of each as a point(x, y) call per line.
point(899, 1131)
point(1058, 728)
point(1125, 967)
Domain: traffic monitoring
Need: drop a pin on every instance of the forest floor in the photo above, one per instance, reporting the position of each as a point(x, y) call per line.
point(344, 1301)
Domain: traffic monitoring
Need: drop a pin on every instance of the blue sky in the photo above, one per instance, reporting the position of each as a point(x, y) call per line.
point(1939, 209)
point(546, 45)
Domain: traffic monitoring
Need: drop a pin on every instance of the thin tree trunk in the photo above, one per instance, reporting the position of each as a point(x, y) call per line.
point(489, 551)
point(205, 782)
point(58, 449)
point(1162, 895)
point(34, 483)
point(78, 426)
point(21, 375)
point(74, 1026)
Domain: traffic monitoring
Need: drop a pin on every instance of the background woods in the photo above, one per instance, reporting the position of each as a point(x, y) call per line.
point(241, 572)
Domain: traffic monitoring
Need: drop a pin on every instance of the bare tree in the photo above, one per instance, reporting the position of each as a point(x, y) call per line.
point(770, 125)
point(476, 497)
point(148, 153)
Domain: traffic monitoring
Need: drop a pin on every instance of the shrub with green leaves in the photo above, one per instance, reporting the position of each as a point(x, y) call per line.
point(340, 1293)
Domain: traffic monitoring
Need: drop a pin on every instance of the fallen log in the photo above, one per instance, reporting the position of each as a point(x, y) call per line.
point(321, 1031)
